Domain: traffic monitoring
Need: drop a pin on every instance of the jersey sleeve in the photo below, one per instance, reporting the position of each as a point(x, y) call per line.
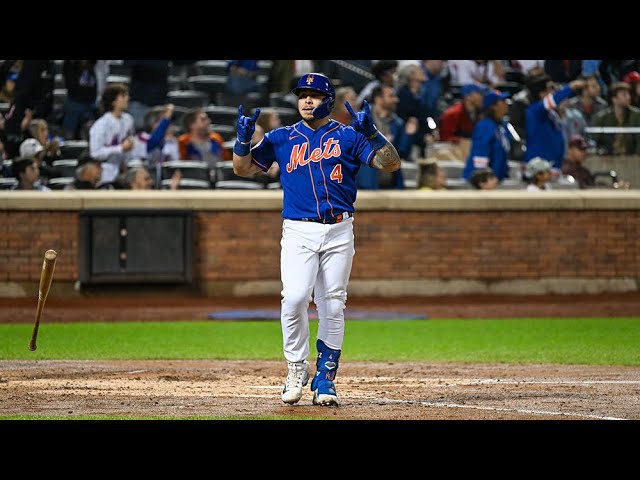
point(362, 149)
point(263, 154)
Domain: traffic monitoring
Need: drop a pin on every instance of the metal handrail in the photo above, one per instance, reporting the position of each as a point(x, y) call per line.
point(355, 69)
point(612, 129)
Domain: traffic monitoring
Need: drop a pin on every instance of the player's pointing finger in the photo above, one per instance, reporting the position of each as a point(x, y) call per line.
point(366, 108)
point(351, 112)
point(239, 111)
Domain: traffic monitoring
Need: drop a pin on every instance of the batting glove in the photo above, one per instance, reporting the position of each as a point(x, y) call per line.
point(245, 128)
point(363, 123)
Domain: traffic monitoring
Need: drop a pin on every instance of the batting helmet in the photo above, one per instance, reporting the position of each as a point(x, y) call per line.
point(322, 84)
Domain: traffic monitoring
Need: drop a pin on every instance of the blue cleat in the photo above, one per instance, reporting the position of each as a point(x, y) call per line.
point(324, 390)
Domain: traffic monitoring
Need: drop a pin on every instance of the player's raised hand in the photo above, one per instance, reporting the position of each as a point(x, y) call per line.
point(246, 125)
point(362, 121)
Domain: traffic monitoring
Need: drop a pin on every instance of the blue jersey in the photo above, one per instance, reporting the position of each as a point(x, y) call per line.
point(490, 147)
point(317, 167)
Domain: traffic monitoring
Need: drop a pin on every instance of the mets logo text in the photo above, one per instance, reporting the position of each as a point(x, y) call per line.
point(298, 157)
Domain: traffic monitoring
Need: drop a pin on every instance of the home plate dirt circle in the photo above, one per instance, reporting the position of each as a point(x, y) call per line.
point(367, 390)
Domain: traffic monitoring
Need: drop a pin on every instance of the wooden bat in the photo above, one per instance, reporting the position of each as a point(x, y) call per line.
point(46, 276)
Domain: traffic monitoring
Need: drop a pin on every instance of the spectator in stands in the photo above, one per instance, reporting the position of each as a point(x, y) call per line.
point(411, 107)
point(33, 98)
point(199, 143)
point(574, 162)
point(458, 120)
point(82, 87)
point(111, 136)
point(527, 67)
point(572, 121)
point(432, 94)
point(619, 114)
point(539, 171)
point(339, 112)
point(545, 137)
point(633, 79)
point(533, 86)
point(156, 143)
point(432, 177)
point(384, 72)
point(491, 140)
point(39, 129)
point(399, 133)
point(139, 178)
point(9, 86)
point(33, 149)
point(484, 179)
point(242, 77)
point(148, 87)
point(487, 72)
point(27, 172)
point(589, 102)
point(88, 174)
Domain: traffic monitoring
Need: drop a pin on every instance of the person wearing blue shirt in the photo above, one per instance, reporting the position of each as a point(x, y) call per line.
point(491, 140)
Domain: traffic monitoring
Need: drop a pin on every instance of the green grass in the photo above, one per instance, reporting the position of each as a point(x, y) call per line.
point(606, 341)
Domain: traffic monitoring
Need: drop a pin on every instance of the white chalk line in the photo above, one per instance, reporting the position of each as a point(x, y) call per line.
point(554, 382)
point(494, 409)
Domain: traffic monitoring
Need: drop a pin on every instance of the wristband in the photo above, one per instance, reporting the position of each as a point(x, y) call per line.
point(241, 149)
point(377, 140)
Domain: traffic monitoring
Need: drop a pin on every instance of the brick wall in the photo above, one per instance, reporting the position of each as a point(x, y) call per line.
point(233, 247)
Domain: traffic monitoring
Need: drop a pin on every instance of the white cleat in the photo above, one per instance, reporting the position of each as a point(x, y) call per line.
point(297, 378)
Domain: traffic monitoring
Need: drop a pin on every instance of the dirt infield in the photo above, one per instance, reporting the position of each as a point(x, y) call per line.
point(367, 390)
point(390, 391)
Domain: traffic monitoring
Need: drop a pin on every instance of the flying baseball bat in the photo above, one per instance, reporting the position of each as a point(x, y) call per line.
point(46, 276)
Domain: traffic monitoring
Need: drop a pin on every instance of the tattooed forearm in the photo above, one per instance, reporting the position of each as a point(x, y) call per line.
point(386, 158)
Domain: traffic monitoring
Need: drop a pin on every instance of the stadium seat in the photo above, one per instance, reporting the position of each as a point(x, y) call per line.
point(211, 67)
point(239, 185)
point(73, 148)
point(190, 170)
point(222, 115)
point(64, 168)
point(453, 168)
point(7, 183)
point(188, 98)
point(187, 184)
point(213, 85)
point(117, 67)
point(59, 183)
point(125, 79)
point(228, 132)
point(410, 174)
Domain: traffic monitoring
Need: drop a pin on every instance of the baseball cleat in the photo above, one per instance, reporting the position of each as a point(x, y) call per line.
point(325, 394)
point(297, 377)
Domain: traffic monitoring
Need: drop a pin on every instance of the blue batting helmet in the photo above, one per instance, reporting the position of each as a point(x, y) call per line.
point(322, 84)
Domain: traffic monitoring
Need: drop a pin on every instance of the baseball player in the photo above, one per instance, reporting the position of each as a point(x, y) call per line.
point(318, 158)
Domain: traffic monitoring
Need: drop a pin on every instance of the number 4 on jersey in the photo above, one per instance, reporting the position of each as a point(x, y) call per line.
point(336, 173)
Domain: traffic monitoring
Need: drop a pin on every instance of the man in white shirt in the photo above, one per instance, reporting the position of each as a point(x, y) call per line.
point(111, 136)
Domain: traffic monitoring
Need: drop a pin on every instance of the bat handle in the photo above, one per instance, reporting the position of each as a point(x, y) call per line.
point(32, 345)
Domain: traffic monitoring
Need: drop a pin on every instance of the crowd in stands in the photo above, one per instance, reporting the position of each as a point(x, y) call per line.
point(170, 124)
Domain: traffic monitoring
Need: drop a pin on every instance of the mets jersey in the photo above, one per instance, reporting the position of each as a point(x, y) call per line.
point(317, 167)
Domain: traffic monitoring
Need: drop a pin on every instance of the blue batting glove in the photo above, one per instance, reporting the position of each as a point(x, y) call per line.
point(362, 121)
point(245, 128)
point(246, 125)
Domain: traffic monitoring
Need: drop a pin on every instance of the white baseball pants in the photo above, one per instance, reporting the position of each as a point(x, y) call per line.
point(315, 258)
